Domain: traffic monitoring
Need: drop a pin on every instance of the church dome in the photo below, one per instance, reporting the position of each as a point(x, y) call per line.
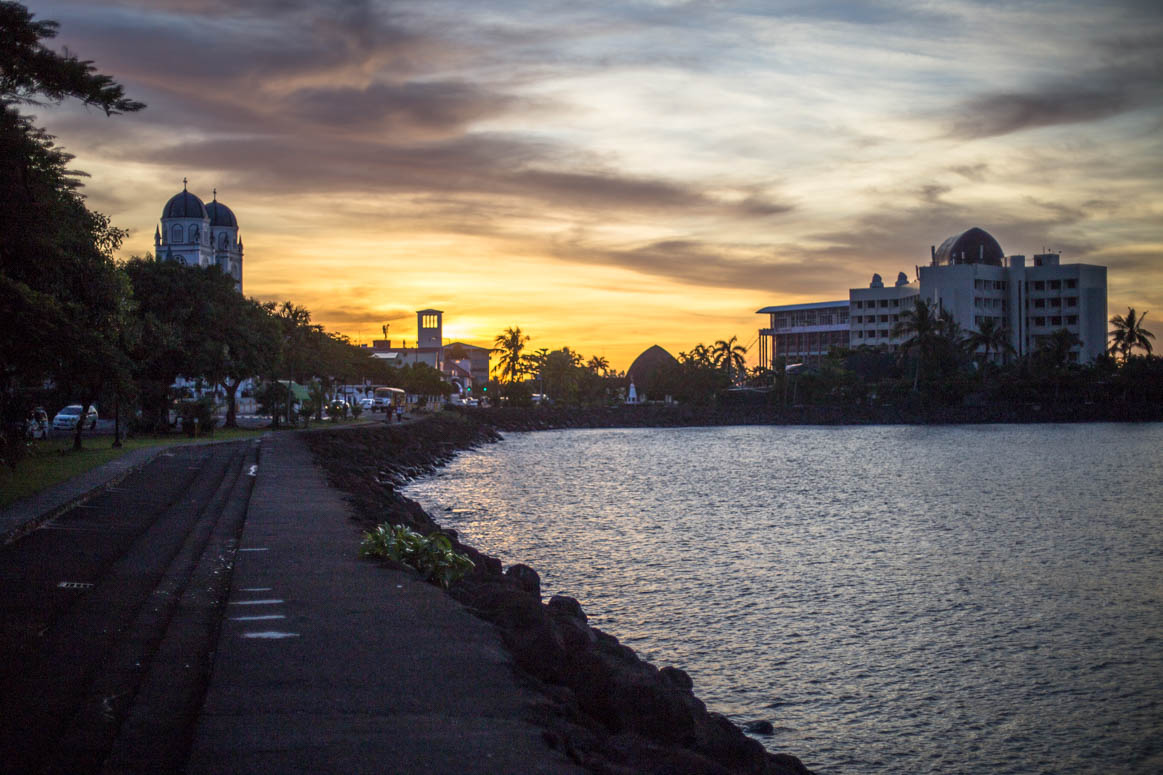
point(221, 215)
point(184, 205)
point(975, 246)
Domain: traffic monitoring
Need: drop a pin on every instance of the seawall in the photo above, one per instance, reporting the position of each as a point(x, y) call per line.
point(607, 709)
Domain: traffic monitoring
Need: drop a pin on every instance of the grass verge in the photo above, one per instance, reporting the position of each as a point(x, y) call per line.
point(53, 461)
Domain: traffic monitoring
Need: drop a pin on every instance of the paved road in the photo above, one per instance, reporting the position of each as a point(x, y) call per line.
point(209, 614)
point(111, 600)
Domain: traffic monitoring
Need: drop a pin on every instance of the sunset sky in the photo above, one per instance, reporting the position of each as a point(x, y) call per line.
point(612, 175)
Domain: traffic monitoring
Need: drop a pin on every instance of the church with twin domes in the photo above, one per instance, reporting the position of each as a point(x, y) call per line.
point(197, 234)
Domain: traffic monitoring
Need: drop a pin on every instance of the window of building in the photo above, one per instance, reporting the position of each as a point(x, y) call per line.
point(1055, 302)
point(1039, 321)
point(977, 284)
point(1055, 285)
point(1072, 320)
point(194, 234)
point(1071, 284)
point(1056, 321)
point(1071, 301)
point(859, 305)
point(1039, 303)
point(859, 334)
point(884, 303)
point(176, 233)
point(977, 320)
point(1039, 285)
point(999, 285)
point(870, 334)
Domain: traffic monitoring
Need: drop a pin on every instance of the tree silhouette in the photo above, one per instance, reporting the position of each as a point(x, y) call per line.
point(1129, 334)
point(989, 338)
point(728, 354)
point(924, 328)
point(509, 346)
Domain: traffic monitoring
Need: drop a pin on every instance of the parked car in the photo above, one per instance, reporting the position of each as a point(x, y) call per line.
point(66, 419)
point(366, 403)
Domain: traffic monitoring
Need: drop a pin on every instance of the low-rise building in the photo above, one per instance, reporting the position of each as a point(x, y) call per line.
point(803, 333)
point(462, 364)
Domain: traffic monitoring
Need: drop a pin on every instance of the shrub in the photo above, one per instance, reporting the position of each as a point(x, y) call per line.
point(431, 555)
point(197, 414)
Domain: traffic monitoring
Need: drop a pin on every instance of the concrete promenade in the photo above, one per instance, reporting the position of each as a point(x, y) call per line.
point(326, 663)
point(329, 663)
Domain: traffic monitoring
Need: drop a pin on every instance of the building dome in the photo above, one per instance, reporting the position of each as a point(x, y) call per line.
point(975, 246)
point(221, 215)
point(644, 368)
point(184, 205)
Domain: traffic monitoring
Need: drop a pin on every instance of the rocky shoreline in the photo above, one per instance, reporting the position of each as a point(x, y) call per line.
point(607, 709)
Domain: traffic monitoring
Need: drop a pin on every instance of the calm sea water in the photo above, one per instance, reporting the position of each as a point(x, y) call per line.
point(893, 599)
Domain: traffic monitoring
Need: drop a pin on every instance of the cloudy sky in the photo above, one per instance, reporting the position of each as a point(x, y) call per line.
point(612, 175)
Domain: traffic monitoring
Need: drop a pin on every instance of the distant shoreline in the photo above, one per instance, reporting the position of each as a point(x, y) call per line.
point(668, 416)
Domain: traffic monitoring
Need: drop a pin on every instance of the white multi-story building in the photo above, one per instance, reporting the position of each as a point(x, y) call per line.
point(873, 312)
point(971, 279)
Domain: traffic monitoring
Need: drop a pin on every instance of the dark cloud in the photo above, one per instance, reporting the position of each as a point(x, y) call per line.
point(1000, 114)
point(708, 264)
point(476, 165)
point(363, 314)
point(415, 110)
point(1127, 76)
point(898, 238)
point(973, 172)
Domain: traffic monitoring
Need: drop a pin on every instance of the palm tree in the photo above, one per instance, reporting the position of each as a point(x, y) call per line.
point(989, 338)
point(698, 356)
point(509, 346)
point(729, 354)
point(598, 365)
point(924, 327)
point(1129, 334)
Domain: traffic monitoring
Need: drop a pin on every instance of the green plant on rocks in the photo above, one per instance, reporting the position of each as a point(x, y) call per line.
point(432, 555)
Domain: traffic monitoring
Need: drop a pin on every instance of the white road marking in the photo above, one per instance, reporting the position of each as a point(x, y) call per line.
point(256, 602)
point(253, 470)
point(255, 589)
point(256, 618)
point(270, 634)
point(255, 549)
